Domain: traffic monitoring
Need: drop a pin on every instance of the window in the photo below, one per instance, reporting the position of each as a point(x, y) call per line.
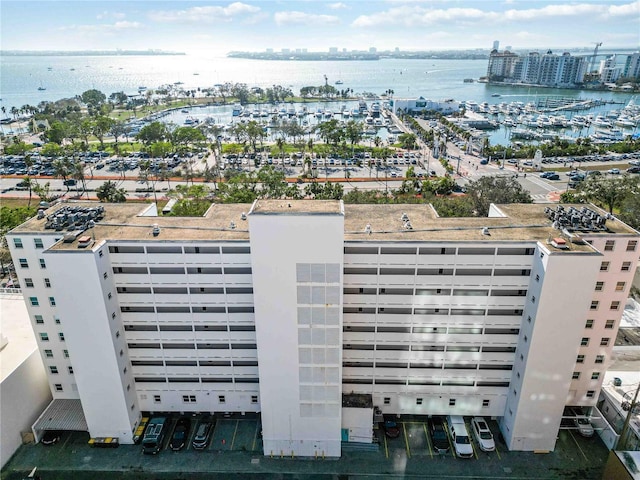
point(537, 278)
point(486, 403)
point(254, 398)
point(584, 342)
point(157, 399)
point(100, 253)
point(48, 353)
point(105, 275)
point(38, 243)
point(189, 399)
point(533, 299)
point(34, 301)
point(221, 399)
point(70, 369)
point(599, 286)
point(589, 324)
point(56, 319)
point(631, 245)
point(608, 245)
point(620, 286)
point(53, 369)
point(591, 393)
point(595, 375)
point(452, 402)
point(387, 400)
point(23, 263)
point(599, 358)
point(626, 266)
point(42, 263)
point(61, 336)
point(615, 305)
point(580, 359)
point(604, 266)
point(65, 353)
point(39, 319)
point(594, 305)
point(609, 324)
point(418, 401)
point(575, 376)
point(604, 342)
point(47, 283)
point(52, 301)
point(17, 242)
point(58, 387)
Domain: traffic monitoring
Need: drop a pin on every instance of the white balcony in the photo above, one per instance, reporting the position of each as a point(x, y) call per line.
point(208, 259)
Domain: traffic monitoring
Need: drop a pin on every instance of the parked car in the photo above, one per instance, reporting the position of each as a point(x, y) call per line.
point(391, 429)
point(614, 171)
point(69, 182)
point(633, 170)
point(50, 437)
point(201, 438)
point(180, 434)
point(584, 426)
point(547, 174)
point(553, 176)
point(482, 434)
point(460, 436)
point(438, 435)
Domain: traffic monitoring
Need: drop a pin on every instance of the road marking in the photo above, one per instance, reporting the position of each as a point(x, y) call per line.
point(577, 445)
point(498, 453)
point(424, 426)
point(406, 441)
point(234, 434)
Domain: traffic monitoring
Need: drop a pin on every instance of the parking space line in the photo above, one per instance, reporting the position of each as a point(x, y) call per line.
point(255, 436)
point(498, 453)
point(233, 439)
point(406, 441)
point(424, 426)
point(386, 449)
point(577, 445)
point(453, 453)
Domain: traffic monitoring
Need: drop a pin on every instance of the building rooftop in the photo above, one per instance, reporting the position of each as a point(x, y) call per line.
point(16, 328)
point(370, 222)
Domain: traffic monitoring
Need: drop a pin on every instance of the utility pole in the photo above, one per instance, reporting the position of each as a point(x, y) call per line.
point(622, 442)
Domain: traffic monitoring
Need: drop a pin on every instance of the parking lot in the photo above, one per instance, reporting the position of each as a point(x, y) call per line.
point(235, 449)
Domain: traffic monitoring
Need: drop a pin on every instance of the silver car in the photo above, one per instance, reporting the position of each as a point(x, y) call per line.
point(482, 434)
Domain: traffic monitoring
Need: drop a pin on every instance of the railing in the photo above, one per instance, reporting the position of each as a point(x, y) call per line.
point(11, 290)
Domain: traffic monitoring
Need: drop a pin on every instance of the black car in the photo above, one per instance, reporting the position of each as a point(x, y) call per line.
point(438, 433)
point(50, 437)
point(391, 429)
point(201, 438)
point(180, 434)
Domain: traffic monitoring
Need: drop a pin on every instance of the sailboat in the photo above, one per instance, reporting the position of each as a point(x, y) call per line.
point(41, 88)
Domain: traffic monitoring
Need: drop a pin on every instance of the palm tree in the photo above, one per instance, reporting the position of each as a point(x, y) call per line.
point(280, 143)
point(30, 184)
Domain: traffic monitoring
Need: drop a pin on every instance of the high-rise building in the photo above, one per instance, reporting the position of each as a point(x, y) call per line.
point(549, 69)
point(632, 66)
point(288, 308)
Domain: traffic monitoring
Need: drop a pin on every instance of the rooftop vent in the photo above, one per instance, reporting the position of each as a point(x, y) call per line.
point(40, 214)
point(232, 225)
point(243, 216)
point(84, 241)
point(404, 217)
point(559, 243)
point(485, 231)
point(367, 228)
point(156, 230)
point(574, 220)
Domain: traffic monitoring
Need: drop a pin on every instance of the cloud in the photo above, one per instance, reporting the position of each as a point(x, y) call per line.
point(105, 28)
point(414, 14)
point(106, 14)
point(205, 14)
point(337, 6)
point(301, 18)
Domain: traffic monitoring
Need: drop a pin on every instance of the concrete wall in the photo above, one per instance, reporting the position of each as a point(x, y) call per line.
point(300, 394)
point(553, 322)
point(24, 394)
point(94, 335)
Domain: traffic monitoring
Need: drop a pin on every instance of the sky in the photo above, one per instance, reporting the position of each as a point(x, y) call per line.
point(221, 26)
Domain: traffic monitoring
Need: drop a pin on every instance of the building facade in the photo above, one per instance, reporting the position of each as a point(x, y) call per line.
point(282, 307)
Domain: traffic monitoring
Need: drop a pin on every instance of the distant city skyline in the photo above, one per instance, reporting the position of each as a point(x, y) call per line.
point(217, 27)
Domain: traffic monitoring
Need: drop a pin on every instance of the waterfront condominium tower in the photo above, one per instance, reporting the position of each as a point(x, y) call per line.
point(313, 312)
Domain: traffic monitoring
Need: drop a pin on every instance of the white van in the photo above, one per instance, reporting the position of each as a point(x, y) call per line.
point(460, 436)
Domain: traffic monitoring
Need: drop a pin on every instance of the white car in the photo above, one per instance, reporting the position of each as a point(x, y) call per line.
point(482, 434)
point(459, 436)
point(584, 426)
point(613, 171)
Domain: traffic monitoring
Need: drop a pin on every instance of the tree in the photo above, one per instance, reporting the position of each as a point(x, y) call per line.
point(407, 140)
point(29, 183)
point(153, 132)
point(109, 192)
point(487, 190)
point(101, 126)
point(183, 137)
point(609, 192)
point(43, 192)
point(93, 98)
point(57, 132)
point(192, 200)
point(630, 211)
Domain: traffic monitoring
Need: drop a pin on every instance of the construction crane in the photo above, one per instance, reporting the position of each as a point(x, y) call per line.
point(595, 54)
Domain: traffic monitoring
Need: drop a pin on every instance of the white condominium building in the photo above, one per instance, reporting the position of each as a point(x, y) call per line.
point(288, 307)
